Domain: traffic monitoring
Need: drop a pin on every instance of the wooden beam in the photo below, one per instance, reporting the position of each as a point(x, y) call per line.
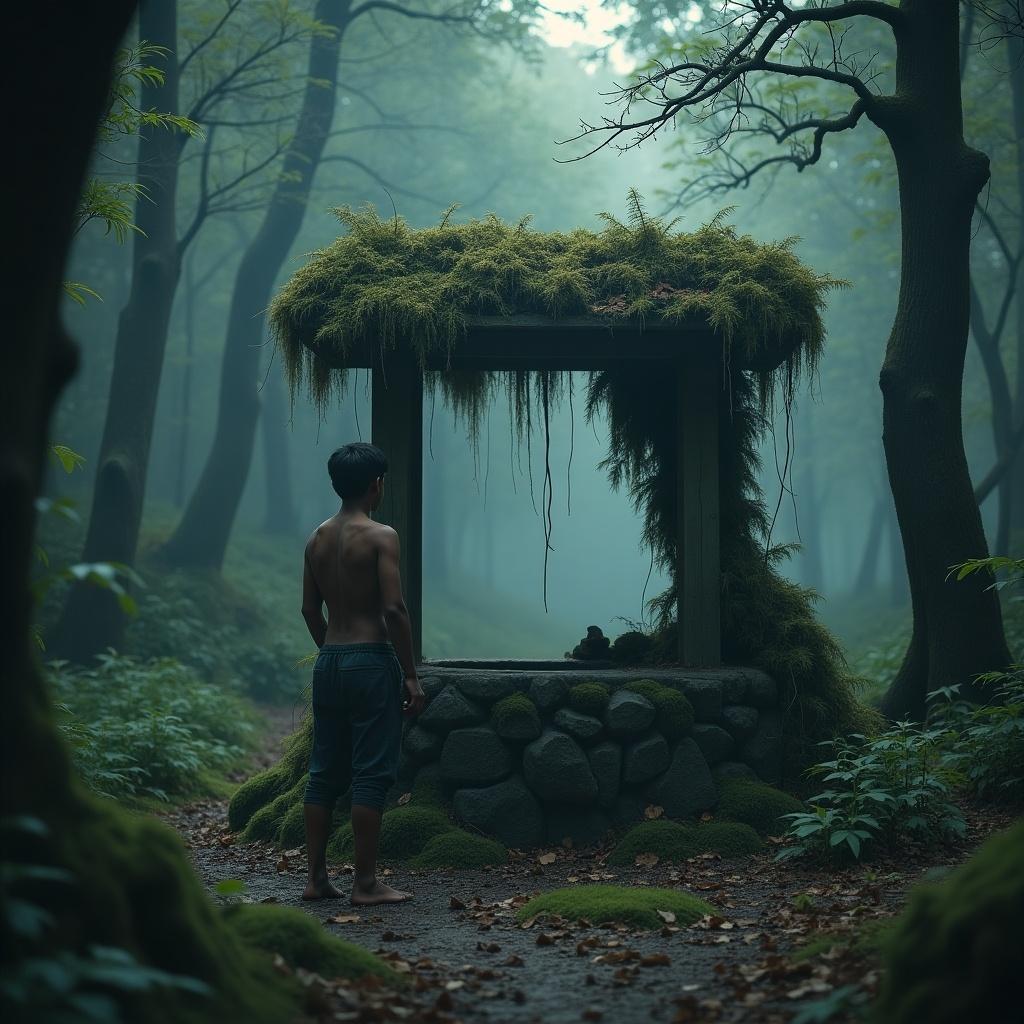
point(698, 552)
point(397, 428)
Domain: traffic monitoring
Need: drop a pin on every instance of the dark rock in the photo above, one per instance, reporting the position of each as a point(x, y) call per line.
point(631, 648)
point(515, 718)
point(606, 764)
point(593, 647)
point(740, 721)
point(714, 742)
point(628, 809)
point(732, 770)
point(474, 755)
point(762, 693)
point(421, 744)
point(507, 811)
point(548, 692)
point(686, 788)
point(705, 694)
point(584, 826)
point(644, 758)
point(556, 769)
point(432, 685)
point(628, 714)
point(734, 685)
point(583, 727)
point(450, 710)
point(487, 687)
point(763, 751)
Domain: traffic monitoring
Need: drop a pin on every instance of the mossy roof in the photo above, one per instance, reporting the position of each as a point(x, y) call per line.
point(388, 284)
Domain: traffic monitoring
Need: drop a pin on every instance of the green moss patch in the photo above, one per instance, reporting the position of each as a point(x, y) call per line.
point(616, 903)
point(863, 941)
point(266, 822)
point(955, 954)
point(303, 942)
point(589, 698)
point(673, 841)
point(756, 804)
point(460, 849)
point(675, 712)
point(404, 832)
point(515, 717)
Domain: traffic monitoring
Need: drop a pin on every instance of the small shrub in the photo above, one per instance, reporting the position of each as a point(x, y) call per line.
point(675, 712)
point(516, 717)
point(955, 953)
point(615, 903)
point(589, 698)
point(303, 942)
point(632, 647)
point(460, 849)
point(756, 804)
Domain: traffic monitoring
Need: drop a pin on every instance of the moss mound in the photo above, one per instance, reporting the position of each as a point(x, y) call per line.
point(618, 903)
point(254, 794)
point(673, 841)
point(515, 717)
point(460, 849)
point(404, 832)
point(427, 788)
point(303, 942)
point(267, 821)
point(955, 953)
point(589, 698)
point(756, 804)
point(675, 712)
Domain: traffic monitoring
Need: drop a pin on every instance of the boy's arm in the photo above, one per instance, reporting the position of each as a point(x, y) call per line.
point(396, 616)
point(312, 602)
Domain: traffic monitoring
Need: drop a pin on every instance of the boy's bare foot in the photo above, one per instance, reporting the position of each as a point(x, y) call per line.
point(321, 891)
point(378, 892)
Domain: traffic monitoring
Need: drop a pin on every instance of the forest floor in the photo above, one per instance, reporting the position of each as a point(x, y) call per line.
point(470, 960)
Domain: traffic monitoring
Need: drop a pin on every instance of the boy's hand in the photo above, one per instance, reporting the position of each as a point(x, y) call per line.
point(415, 698)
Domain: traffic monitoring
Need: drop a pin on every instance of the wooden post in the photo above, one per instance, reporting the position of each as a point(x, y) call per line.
point(698, 554)
point(397, 428)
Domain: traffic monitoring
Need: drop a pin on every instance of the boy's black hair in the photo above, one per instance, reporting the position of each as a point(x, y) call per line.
point(353, 467)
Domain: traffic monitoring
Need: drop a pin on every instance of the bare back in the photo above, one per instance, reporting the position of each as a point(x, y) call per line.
point(342, 557)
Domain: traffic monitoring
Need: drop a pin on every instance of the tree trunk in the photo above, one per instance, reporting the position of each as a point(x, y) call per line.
point(92, 619)
point(185, 407)
point(1015, 46)
point(280, 510)
point(201, 538)
point(958, 629)
point(866, 581)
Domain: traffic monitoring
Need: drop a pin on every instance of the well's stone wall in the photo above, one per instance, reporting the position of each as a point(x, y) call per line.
point(546, 766)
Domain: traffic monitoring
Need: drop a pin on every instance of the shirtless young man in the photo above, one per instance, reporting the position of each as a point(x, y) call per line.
point(365, 674)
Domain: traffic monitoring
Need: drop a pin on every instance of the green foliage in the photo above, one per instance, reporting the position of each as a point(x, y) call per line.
point(404, 832)
point(955, 953)
point(675, 712)
point(266, 786)
point(756, 804)
point(385, 280)
point(890, 788)
point(302, 941)
point(589, 698)
point(516, 716)
point(267, 821)
point(599, 904)
point(460, 849)
point(427, 788)
point(147, 728)
point(674, 842)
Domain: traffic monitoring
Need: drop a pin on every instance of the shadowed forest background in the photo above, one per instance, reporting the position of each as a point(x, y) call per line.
point(154, 557)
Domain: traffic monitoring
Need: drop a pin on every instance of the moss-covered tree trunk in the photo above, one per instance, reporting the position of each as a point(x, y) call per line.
point(92, 620)
point(201, 538)
point(957, 629)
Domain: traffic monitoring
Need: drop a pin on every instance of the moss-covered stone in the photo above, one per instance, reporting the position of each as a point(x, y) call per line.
point(303, 942)
point(507, 811)
point(956, 954)
point(428, 787)
point(459, 849)
point(756, 804)
point(674, 712)
point(728, 838)
point(516, 718)
point(585, 728)
point(266, 822)
point(674, 841)
point(556, 769)
point(589, 698)
point(601, 904)
point(254, 794)
point(292, 832)
point(476, 755)
point(404, 832)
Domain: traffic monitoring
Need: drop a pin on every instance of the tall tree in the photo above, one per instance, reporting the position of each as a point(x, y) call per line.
point(201, 537)
point(92, 622)
point(728, 85)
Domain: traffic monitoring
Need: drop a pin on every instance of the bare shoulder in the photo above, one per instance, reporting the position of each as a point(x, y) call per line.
point(318, 534)
point(385, 537)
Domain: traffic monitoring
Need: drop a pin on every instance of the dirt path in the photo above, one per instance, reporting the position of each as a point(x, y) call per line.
point(472, 962)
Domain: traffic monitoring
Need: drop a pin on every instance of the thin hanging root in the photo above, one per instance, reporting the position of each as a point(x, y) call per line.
point(548, 488)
